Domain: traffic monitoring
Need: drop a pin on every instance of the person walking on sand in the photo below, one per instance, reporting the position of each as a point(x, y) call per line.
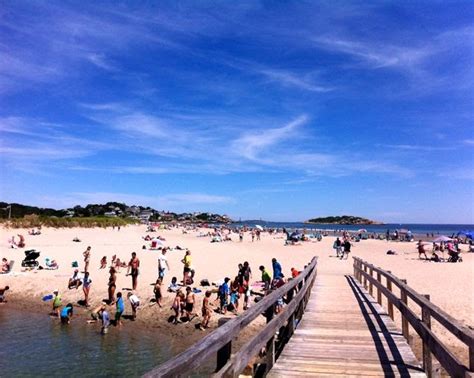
point(347, 249)
point(163, 265)
point(86, 287)
point(133, 266)
point(87, 259)
point(421, 250)
point(112, 285)
point(206, 311)
point(337, 246)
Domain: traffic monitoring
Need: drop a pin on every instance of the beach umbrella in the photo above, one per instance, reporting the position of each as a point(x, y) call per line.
point(257, 226)
point(468, 234)
point(442, 238)
point(362, 230)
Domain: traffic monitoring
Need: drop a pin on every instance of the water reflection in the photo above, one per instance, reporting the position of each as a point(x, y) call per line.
point(34, 344)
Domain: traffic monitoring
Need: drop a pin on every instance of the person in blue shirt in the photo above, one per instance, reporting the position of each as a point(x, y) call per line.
point(66, 314)
point(120, 309)
point(224, 291)
point(276, 269)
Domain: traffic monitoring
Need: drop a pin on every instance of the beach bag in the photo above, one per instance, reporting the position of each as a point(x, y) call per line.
point(205, 282)
point(75, 264)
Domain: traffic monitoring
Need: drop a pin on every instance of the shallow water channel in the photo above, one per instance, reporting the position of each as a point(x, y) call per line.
point(33, 344)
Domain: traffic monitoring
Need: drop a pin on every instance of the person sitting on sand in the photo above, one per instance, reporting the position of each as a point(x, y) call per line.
point(21, 243)
point(103, 262)
point(421, 250)
point(206, 311)
point(173, 287)
point(5, 267)
point(66, 314)
point(157, 292)
point(74, 281)
point(134, 302)
point(56, 303)
point(435, 257)
point(3, 290)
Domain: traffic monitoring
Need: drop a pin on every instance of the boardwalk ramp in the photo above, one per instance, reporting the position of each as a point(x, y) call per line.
point(345, 332)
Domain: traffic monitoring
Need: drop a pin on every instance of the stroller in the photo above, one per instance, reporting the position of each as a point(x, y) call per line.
point(30, 258)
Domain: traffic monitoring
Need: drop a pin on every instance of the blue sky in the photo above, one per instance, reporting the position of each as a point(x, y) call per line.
point(273, 110)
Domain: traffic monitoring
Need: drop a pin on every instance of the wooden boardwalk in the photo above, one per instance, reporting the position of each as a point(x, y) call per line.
point(345, 332)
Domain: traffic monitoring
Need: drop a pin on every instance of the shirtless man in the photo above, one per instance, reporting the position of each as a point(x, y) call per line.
point(206, 311)
point(133, 266)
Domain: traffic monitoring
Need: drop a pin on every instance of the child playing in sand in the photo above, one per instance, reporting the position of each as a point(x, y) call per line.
point(157, 291)
point(233, 301)
point(134, 302)
point(56, 303)
point(103, 262)
point(190, 298)
point(206, 311)
point(120, 308)
point(173, 287)
point(265, 278)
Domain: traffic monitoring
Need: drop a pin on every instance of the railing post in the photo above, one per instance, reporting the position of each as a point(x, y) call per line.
point(365, 277)
point(270, 348)
point(291, 320)
point(427, 358)
point(379, 292)
point(223, 354)
point(371, 286)
point(390, 304)
point(404, 299)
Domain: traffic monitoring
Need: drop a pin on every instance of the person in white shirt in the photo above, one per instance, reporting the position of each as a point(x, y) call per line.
point(134, 302)
point(163, 265)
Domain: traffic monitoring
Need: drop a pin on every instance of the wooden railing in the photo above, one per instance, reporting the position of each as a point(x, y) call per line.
point(364, 273)
point(219, 342)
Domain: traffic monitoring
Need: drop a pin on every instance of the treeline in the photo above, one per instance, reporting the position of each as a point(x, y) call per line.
point(33, 221)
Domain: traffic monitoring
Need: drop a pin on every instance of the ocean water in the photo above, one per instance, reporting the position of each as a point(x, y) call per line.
point(33, 344)
point(437, 229)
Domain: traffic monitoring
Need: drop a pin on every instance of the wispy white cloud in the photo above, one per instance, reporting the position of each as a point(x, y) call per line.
point(251, 144)
point(288, 78)
point(469, 142)
point(101, 61)
point(415, 147)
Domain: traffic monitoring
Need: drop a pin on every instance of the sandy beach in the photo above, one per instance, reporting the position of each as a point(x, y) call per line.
point(451, 286)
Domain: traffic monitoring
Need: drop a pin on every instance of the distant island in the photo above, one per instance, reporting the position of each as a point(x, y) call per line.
point(344, 219)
